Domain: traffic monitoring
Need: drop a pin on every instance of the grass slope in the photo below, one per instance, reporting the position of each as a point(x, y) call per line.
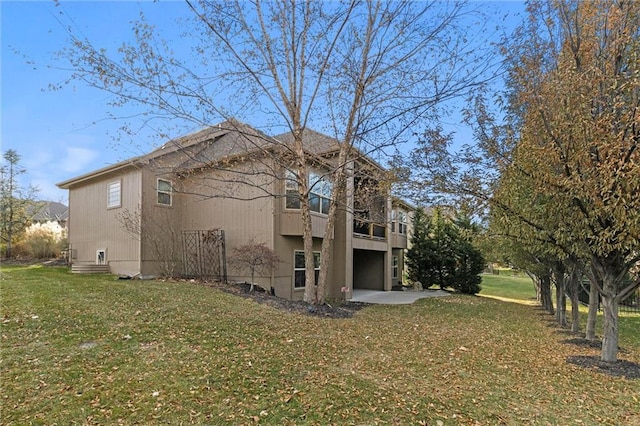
point(507, 286)
point(94, 350)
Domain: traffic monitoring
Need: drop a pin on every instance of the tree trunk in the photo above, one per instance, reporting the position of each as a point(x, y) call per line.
point(337, 195)
point(545, 291)
point(610, 329)
point(574, 287)
point(310, 293)
point(561, 298)
point(592, 316)
point(608, 273)
point(536, 286)
point(575, 312)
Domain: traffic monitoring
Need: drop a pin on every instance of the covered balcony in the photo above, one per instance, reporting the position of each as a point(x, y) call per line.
point(370, 210)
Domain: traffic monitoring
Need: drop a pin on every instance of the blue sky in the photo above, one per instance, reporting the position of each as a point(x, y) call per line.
point(65, 133)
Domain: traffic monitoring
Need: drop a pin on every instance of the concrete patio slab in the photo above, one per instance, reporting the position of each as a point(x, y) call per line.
point(394, 297)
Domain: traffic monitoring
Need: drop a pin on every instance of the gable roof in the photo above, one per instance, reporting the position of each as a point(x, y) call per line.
point(130, 163)
point(314, 142)
point(319, 144)
point(226, 140)
point(204, 148)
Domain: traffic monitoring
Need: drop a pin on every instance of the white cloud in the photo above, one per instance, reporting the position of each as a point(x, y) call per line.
point(47, 190)
point(77, 159)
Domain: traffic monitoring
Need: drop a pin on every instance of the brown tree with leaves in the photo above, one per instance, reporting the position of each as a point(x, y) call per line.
point(564, 166)
point(580, 135)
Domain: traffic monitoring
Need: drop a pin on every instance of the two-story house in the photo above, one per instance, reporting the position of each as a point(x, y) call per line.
point(136, 216)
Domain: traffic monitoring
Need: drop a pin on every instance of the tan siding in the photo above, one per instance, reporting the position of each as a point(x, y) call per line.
point(93, 226)
point(291, 223)
point(242, 218)
point(342, 256)
point(283, 276)
point(398, 240)
point(369, 244)
point(161, 227)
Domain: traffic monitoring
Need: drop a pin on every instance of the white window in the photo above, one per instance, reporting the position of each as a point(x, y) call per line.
point(299, 273)
point(114, 195)
point(101, 257)
point(165, 192)
point(319, 192)
point(402, 222)
point(291, 190)
point(395, 267)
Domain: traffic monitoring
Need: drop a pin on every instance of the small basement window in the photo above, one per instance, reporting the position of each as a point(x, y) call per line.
point(101, 257)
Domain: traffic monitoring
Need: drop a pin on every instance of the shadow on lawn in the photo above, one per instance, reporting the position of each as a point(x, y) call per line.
point(627, 369)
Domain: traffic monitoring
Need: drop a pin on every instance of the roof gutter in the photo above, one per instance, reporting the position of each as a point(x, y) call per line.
point(67, 184)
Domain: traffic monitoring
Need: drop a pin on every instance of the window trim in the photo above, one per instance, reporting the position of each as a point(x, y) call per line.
point(303, 269)
point(104, 256)
point(402, 222)
point(320, 188)
point(395, 265)
point(169, 193)
point(112, 204)
point(291, 187)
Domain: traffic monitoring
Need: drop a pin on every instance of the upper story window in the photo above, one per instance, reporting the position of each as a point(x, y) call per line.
point(402, 222)
point(399, 221)
point(319, 193)
point(114, 194)
point(291, 190)
point(165, 192)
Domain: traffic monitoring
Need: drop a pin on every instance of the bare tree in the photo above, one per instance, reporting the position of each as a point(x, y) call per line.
point(366, 73)
point(254, 258)
point(159, 234)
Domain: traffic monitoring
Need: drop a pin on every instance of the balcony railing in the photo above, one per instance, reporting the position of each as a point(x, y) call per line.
point(367, 228)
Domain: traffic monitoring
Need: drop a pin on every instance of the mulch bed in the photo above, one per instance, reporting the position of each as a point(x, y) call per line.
point(585, 343)
point(621, 368)
point(259, 295)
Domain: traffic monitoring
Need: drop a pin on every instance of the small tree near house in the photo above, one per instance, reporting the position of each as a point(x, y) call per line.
point(254, 258)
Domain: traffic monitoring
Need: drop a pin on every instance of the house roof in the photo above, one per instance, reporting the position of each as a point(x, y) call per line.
point(317, 143)
point(67, 184)
point(226, 140)
point(314, 142)
point(207, 147)
point(44, 211)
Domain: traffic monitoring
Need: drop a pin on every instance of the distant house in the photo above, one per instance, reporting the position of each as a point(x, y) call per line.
point(49, 211)
point(181, 196)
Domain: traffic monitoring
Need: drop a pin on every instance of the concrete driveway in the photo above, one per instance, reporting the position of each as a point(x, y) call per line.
point(394, 297)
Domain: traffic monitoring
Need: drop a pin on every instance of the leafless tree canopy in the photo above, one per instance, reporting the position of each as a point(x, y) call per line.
point(365, 73)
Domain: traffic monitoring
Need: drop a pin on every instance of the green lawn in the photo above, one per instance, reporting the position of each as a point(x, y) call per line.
point(519, 288)
point(95, 350)
point(508, 286)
